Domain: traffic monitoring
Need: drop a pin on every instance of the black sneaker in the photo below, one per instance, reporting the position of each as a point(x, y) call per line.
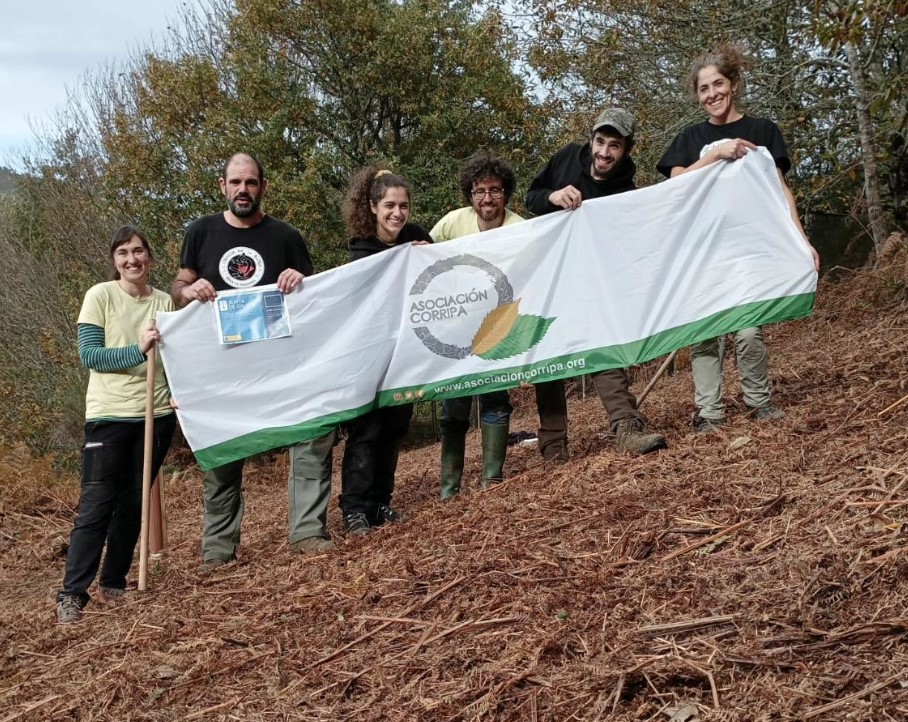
point(386, 514)
point(707, 426)
point(69, 609)
point(356, 524)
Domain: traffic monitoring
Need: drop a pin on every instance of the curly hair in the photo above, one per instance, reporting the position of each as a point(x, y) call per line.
point(368, 186)
point(122, 236)
point(486, 164)
point(729, 61)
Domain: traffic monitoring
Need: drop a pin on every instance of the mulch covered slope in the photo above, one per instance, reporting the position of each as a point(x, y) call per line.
point(760, 574)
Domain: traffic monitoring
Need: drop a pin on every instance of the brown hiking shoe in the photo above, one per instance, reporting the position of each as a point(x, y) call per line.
point(633, 438)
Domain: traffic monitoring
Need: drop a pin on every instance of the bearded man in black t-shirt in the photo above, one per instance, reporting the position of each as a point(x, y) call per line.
point(243, 247)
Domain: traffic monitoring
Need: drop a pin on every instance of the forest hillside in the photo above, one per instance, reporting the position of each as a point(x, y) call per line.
point(753, 575)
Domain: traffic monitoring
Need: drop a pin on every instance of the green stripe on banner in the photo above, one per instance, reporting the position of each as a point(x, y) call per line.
point(255, 442)
point(759, 313)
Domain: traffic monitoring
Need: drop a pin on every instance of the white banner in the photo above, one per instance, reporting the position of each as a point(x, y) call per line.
point(619, 281)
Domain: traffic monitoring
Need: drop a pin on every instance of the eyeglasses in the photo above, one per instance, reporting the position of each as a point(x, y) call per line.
point(493, 193)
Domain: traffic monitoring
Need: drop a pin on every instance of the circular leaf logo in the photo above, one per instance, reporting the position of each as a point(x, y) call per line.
point(501, 333)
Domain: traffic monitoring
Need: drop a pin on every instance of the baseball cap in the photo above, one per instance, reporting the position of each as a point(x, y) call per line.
point(617, 118)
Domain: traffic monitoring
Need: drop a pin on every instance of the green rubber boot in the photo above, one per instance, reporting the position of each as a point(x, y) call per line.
point(452, 453)
point(494, 451)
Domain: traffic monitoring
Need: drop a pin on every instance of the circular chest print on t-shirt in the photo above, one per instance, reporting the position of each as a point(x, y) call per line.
point(242, 267)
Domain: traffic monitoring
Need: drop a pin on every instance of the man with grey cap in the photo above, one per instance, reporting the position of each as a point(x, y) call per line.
point(581, 171)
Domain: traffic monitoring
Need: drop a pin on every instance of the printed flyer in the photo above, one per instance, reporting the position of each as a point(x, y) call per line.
point(256, 314)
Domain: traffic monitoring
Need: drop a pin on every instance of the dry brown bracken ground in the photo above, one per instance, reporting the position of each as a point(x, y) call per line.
point(758, 574)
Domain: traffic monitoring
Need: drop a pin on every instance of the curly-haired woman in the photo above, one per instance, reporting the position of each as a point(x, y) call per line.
point(377, 217)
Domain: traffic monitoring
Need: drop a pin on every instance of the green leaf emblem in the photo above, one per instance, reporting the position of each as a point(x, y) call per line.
point(526, 332)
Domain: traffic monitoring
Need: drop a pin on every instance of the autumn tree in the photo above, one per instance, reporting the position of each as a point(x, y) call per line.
point(871, 41)
point(590, 53)
point(315, 89)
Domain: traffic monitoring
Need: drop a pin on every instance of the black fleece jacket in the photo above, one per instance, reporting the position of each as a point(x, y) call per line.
point(570, 166)
point(360, 247)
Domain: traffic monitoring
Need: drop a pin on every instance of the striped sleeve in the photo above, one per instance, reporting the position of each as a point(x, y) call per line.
point(95, 356)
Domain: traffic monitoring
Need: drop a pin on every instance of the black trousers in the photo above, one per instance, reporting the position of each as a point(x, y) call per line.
point(110, 506)
point(370, 459)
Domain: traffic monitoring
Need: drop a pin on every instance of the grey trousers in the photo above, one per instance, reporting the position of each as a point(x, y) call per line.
point(706, 360)
point(309, 489)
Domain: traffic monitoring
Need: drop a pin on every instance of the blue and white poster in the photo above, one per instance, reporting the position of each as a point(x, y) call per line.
point(257, 314)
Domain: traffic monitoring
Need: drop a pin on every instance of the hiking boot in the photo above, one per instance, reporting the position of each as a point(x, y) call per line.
point(633, 438)
point(69, 609)
point(556, 453)
point(767, 412)
point(112, 595)
point(312, 544)
point(356, 524)
point(386, 514)
point(707, 426)
point(209, 565)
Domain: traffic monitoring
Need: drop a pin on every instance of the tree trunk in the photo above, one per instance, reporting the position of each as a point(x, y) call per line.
point(868, 151)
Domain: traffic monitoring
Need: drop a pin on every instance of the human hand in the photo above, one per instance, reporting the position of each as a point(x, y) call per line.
point(568, 198)
point(816, 256)
point(199, 290)
point(289, 279)
point(733, 149)
point(150, 337)
point(420, 243)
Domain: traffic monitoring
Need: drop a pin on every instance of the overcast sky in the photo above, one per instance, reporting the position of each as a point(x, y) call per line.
point(47, 45)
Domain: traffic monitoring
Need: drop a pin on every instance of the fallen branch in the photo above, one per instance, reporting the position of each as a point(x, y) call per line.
point(708, 540)
point(33, 706)
point(556, 527)
point(817, 711)
point(215, 708)
point(653, 630)
point(901, 402)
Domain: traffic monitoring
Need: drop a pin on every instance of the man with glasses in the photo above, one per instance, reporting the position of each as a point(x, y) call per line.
point(487, 182)
point(582, 171)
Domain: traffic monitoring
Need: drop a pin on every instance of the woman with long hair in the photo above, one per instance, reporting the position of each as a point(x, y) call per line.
point(377, 217)
point(115, 331)
point(717, 82)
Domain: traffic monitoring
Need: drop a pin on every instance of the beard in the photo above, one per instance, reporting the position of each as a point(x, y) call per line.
point(243, 211)
point(490, 214)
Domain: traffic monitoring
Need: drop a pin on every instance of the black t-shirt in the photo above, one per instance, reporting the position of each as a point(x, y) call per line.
point(570, 166)
point(230, 257)
point(696, 140)
point(362, 247)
